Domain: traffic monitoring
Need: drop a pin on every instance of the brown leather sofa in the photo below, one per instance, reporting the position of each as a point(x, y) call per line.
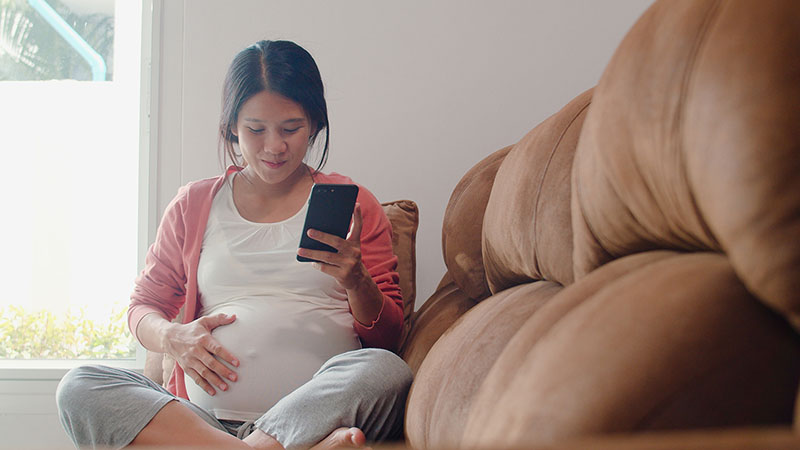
point(633, 263)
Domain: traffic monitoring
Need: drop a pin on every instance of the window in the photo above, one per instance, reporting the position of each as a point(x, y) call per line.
point(69, 114)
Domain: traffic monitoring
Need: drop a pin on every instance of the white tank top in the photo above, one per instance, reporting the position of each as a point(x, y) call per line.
point(290, 318)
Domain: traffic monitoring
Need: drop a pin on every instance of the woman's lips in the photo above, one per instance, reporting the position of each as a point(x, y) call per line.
point(274, 165)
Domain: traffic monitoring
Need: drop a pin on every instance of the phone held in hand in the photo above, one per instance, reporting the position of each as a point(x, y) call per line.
point(330, 209)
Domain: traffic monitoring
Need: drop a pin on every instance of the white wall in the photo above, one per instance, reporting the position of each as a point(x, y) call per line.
point(418, 91)
point(28, 413)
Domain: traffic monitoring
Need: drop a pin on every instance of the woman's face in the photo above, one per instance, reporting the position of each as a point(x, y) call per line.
point(273, 134)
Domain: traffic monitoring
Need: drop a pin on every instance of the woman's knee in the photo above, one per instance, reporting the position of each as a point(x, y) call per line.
point(76, 386)
point(382, 369)
point(394, 368)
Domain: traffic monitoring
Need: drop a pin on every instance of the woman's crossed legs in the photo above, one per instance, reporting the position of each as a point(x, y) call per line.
point(356, 396)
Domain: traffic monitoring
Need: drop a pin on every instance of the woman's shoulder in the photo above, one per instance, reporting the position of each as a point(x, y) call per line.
point(197, 192)
point(205, 185)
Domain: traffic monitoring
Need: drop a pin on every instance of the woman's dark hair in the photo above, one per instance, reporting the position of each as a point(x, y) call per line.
point(282, 67)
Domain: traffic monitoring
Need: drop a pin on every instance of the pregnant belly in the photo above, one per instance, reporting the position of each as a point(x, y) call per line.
point(280, 345)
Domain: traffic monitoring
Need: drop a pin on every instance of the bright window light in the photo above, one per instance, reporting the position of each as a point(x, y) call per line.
point(69, 224)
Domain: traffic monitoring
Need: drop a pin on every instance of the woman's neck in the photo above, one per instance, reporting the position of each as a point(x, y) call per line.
point(258, 201)
point(299, 179)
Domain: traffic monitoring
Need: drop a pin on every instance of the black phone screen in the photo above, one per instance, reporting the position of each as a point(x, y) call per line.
point(330, 209)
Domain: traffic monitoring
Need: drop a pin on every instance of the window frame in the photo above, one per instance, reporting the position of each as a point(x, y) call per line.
point(16, 370)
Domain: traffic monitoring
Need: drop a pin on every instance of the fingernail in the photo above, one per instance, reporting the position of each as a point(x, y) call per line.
point(223, 386)
point(232, 377)
point(210, 392)
point(236, 363)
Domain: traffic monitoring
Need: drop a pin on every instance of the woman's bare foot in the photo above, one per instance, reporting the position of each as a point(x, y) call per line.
point(342, 437)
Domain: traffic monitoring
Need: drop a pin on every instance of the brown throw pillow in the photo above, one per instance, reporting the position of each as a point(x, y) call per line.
point(404, 217)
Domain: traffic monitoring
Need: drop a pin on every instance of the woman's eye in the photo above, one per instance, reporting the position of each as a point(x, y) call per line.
point(290, 130)
point(255, 131)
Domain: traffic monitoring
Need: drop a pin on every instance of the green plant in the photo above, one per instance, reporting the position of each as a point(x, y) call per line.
point(41, 334)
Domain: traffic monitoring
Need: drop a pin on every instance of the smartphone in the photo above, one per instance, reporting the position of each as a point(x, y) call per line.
point(330, 209)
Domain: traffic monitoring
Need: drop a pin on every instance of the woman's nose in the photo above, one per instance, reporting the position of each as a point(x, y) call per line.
point(273, 143)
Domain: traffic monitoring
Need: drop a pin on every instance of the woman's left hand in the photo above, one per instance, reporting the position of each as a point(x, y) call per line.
point(346, 265)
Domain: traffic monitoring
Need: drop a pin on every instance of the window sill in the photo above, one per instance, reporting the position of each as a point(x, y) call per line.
point(47, 369)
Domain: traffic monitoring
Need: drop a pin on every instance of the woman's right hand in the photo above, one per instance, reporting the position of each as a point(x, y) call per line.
point(199, 354)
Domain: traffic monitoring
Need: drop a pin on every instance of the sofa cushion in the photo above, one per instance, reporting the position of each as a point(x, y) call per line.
point(526, 229)
point(434, 317)
point(463, 226)
point(657, 342)
point(508, 364)
point(440, 398)
point(692, 143)
point(404, 217)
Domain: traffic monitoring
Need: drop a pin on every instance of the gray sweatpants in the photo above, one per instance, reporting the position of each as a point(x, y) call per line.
point(366, 388)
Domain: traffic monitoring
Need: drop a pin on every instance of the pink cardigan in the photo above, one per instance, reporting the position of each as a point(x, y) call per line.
point(169, 279)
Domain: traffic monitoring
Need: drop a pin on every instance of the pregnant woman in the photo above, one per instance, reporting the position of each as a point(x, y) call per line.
point(269, 352)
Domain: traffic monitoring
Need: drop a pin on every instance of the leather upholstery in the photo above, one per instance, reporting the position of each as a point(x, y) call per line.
point(641, 247)
point(463, 220)
point(691, 143)
point(404, 217)
point(527, 223)
point(703, 354)
point(459, 361)
point(438, 313)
